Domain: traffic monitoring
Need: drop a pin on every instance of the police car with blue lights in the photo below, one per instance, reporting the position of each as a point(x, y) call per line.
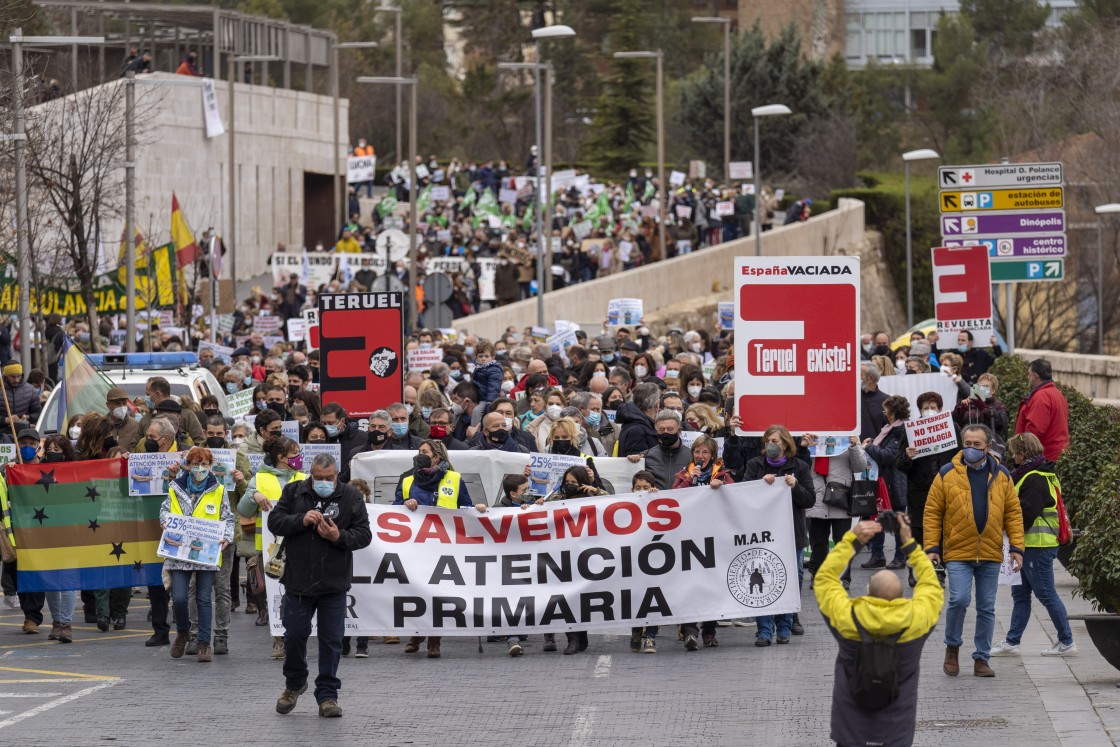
point(131, 371)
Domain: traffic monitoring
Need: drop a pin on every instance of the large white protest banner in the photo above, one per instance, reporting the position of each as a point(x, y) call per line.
point(193, 539)
point(932, 435)
point(613, 562)
point(912, 385)
point(313, 269)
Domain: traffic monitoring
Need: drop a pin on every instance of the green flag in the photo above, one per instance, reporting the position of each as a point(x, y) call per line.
point(424, 200)
point(387, 206)
point(629, 195)
point(469, 198)
point(650, 191)
point(488, 203)
point(530, 215)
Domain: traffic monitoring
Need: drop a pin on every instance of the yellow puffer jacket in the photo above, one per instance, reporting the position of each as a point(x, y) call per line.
point(949, 522)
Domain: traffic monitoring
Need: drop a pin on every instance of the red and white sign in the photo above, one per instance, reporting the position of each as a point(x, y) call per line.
point(361, 364)
point(422, 359)
point(311, 328)
point(932, 435)
point(962, 293)
point(796, 344)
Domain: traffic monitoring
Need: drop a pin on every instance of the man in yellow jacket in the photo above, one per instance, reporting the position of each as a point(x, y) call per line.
point(882, 613)
point(971, 504)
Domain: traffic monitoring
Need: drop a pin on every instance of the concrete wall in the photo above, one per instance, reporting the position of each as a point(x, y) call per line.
point(708, 272)
point(280, 134)
point(1095, 376)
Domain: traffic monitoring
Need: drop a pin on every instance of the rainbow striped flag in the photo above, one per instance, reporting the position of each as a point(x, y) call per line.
point(82, 387)
point(76, 527)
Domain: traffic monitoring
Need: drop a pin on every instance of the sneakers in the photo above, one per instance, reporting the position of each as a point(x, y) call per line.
point(103, 623)
point(180, 645)
point(745, 622)
point(118, 623)
point(278, 648)
point(54, 631)
point(710, 641)
point(204, 654)
point(192, 646)
point(724, 623)
point(636, 640)
point(287, 700)
point(1003, 648)
point(30, 627)
point(875, 563)
point(1061, 649)
point(549, 642)
point(221, 645)
point(157, 639)
point(330, 709)
point(648, 646)
point(65, 634)
point(690, 643)
point(980, 668)
point(362, 651)
point(761, 641)
point(515, 647)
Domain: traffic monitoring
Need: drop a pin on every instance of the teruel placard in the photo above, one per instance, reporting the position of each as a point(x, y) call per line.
point(796, 344)
point(962, 293)
point(361, 352)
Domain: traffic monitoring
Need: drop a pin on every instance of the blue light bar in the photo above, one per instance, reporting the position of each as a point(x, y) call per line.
point(144, 360)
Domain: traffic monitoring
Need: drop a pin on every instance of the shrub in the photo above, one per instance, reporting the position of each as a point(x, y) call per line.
point(1096, 559)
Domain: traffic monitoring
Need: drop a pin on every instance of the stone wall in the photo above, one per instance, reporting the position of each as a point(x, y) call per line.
point(692, 278)
point(1095, 376)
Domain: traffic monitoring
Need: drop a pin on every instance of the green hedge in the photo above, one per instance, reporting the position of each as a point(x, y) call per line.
point(1096, 558)
point(1094, 432)
point(885, 198)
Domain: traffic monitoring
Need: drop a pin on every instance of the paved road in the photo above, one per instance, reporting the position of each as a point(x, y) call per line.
point(108, 687)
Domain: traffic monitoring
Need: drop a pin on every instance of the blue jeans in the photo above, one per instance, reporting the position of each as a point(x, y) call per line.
point(180, 596)
point(1038, 577)
point(297, 613)
point(61, 604)
point(784, 623)
point(961, 575)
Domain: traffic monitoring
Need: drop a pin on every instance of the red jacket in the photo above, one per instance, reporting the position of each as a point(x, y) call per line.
point(1045, 413)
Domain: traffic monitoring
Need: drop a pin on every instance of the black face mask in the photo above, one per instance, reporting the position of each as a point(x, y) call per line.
point(54, 456)
point(570, 489)
point(667, 440)
point(376, 438)
point(279, 409)
point(883, 350)
point(422, 461)
point(216, 442)
point(561, 445)
point(498, 436)
point(210, 413)
point(315, 375)
point(292, 391)
point(614, 405)
point(151, 445)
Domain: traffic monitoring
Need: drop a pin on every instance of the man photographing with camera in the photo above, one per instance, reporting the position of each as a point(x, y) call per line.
point(971, 504)
point(881, 636)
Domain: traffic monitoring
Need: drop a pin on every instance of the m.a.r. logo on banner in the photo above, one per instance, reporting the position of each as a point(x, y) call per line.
point(796, 354)
point(962, 293)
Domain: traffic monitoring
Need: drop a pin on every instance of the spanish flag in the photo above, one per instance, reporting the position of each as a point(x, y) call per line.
point(77, 528)
point(186, 248)
point(141, 256)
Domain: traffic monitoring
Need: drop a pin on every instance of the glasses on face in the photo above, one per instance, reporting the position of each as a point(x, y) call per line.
point(440, 422)
point(275, 400)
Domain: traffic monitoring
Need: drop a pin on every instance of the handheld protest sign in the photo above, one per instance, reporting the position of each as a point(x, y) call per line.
point(361, 350)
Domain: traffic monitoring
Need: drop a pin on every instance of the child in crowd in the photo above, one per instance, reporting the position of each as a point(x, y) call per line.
point(643, 640)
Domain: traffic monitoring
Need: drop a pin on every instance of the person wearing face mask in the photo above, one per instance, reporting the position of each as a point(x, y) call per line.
point(342, 431)
point(323, 522)
point(866, 346)
point(883, 450)
point(432, 482)
point(541, 427)
point(951, 366)
point(399, 436)
point(920, 470)
point(23, 401)
point(124, 428)
point(159, 437)
point(157, 396)
point(977, 361)
point(440, 425)
point(495, 436)
point(377, 437)
point(28, 442)
point(669, 456)
point(971, 504)
point(195, 492)
point(637, 433)
point(283, 463)
point(882, 344)
point(872, 419)
point(267, 425)
point(983, 407)
point(779, 461)
point(599, 426)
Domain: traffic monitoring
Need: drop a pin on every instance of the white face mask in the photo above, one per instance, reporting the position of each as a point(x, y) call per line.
point(696, 347)
point(641, 371)
point(930, 412)
point(75, 431)
point(408, 407)
point(237, 440)
point(553, 411)
point(509, 423)
point(120, 413)
point(507, 386)
point(694, 391)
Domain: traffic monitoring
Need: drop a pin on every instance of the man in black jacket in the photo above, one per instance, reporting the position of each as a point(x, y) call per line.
point(872, 418)
point(638, 434)
point(323, 521)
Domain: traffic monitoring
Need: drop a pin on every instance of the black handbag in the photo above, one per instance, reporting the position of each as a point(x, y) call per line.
point(837, 495)
point(864, 498)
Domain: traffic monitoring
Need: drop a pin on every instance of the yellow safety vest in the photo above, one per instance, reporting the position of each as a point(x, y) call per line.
point(269, 486)
point(208, 506)
point(6, 511)
point(447, 495)
point(1044, 531)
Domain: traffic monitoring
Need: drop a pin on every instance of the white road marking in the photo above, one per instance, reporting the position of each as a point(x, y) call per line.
point(603, 666)
point(581, 731)
point(29, 695)
point(55, 703)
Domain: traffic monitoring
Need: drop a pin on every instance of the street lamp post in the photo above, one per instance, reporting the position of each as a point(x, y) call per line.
point(130, 198)
point(726, 22)
point(19, 137)
point(232, 222)
point(545, 32)
point(339, 183)
point(1110, 209)
point(399, 69)
point(546, 157)
point(663, 193)
point(770, 110)
point(925, 154)
point(413, 260)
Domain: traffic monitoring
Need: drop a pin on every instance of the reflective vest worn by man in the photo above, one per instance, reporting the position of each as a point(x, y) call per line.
point(269, 486)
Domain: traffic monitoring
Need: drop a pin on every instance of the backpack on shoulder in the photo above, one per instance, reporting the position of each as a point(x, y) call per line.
point(875, 676)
